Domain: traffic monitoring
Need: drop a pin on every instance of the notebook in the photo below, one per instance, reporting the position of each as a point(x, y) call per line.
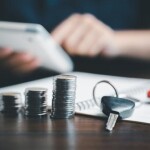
point(85, 105)
point(133, 88)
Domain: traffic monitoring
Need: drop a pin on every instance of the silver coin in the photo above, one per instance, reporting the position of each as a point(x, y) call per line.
point(35, 101)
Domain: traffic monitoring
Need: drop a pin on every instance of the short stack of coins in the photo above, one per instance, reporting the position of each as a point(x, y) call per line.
point(10, 103)
point(63, 100)
point(35, 102)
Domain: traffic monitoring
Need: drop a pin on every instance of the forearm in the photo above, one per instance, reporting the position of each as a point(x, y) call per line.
point(133, 43)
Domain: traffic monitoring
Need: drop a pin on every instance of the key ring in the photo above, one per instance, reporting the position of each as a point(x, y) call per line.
point(94, 89)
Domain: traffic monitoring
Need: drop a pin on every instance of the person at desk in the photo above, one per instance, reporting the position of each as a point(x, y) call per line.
point(83, 28)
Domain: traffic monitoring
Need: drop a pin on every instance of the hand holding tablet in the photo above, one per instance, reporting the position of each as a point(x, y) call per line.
point(35, 40)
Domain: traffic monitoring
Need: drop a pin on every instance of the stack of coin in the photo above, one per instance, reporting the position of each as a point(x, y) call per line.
point(35, 102)
point(10, 103)
point(63, 101)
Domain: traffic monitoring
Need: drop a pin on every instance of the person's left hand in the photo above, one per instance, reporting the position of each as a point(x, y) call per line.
point(18, 63)
point(85, 35)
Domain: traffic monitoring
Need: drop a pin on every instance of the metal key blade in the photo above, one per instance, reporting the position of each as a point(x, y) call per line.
point(111, 121)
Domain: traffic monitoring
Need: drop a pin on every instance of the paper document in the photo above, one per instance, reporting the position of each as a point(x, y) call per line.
point(84, 99)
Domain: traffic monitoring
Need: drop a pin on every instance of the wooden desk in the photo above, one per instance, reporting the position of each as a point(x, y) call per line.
point(81, 133)
point(78, 133)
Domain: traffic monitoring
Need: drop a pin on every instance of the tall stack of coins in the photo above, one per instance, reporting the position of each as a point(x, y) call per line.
point(63, 101)
point(10, 103)
point(35, 102)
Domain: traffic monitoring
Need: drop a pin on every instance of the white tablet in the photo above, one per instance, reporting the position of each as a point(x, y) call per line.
point(34, 39)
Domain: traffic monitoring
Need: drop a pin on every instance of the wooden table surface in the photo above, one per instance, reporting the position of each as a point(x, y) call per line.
point(80, 132)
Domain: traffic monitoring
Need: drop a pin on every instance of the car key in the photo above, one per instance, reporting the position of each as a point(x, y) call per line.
point(115, 108)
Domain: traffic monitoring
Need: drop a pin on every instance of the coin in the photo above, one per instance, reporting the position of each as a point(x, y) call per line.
point(10, 103)
point(35, 102)
point(63, 99)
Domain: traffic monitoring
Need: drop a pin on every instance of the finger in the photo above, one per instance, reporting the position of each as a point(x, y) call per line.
point(65, 28)
point(98, 47)
point(98, 24)
point(27, 67)
point(5, 52)
point(76, 36)
point(17, 59)
point(86, 43)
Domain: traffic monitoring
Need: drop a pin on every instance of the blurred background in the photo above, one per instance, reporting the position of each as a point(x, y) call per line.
point(109, 16)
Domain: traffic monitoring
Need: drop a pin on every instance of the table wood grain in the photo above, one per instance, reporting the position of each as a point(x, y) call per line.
point(80, 132)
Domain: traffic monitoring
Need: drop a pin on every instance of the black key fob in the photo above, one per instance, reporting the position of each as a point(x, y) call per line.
point(123, 107)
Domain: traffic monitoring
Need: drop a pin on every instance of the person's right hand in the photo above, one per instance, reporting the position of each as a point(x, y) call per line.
point(85, 35)
point(18, 63)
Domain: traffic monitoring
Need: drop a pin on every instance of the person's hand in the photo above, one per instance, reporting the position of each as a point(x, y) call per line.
point(18, 63)
point(85, 35)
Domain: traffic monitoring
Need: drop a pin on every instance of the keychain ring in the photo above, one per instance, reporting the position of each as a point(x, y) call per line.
point(94, 89)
